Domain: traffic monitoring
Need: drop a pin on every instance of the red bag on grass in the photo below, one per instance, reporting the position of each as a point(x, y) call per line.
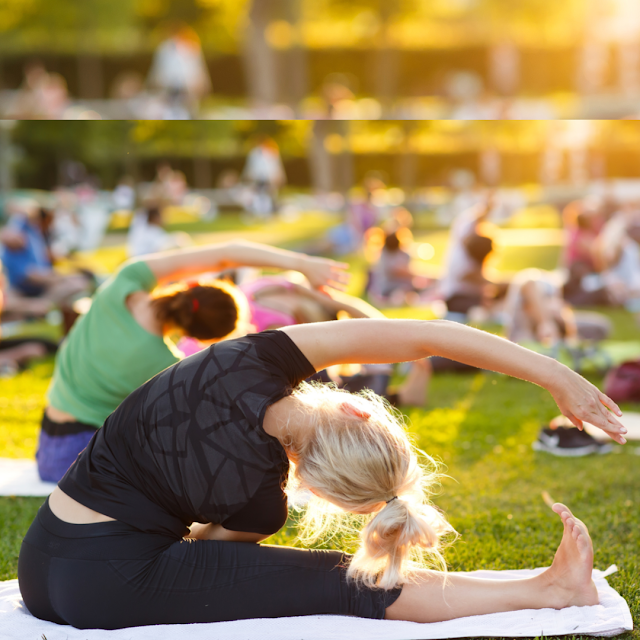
point(622, 383)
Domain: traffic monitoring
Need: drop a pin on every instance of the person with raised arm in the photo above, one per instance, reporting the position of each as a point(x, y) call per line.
point(153, 523)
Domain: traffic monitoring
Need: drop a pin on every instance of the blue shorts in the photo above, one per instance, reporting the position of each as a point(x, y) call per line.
point(59, 446)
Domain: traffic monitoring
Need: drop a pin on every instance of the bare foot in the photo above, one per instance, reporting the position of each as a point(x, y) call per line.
point(570, 573)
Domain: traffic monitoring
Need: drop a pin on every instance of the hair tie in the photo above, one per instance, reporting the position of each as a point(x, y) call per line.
point(195, 305)
point(392, 499)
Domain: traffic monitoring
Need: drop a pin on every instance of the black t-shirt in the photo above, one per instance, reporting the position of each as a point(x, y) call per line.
point(188, 445)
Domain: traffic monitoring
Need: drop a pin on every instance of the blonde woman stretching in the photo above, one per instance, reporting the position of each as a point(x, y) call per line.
point(153, 523)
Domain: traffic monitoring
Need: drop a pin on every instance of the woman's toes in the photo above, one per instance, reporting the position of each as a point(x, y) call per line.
point(560, 509)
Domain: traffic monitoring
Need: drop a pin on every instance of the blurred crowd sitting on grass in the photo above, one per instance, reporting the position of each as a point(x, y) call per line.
point(177, 80)
point(600, 266)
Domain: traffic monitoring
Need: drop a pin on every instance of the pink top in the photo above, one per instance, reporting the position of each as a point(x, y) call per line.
point(263, 317)
point(575, 250)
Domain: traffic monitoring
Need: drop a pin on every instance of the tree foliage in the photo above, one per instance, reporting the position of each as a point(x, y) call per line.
point(112, 26)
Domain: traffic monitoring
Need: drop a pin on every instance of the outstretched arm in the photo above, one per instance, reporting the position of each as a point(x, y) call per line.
point(241, 253)
point(339, 301)
point(373, 340)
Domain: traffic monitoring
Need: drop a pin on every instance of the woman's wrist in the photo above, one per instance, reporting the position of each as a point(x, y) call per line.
point(302, 264)
point(551, 374)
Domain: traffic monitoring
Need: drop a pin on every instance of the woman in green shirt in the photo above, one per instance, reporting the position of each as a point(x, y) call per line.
point(122, 341)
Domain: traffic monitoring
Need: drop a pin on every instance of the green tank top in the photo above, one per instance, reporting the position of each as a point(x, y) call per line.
point(107, 354)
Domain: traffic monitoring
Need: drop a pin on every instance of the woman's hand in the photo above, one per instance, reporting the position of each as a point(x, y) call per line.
point(322, 272)
point(199, 531)
point(580, 401)
point(374, 340)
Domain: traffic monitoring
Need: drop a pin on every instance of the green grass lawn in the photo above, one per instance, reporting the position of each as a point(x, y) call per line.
point(480, 427)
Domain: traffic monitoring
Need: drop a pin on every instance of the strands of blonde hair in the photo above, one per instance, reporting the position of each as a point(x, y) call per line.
point(356, 457)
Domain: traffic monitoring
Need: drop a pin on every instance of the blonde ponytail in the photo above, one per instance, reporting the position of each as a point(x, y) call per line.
point(398, 534)
point(355, 456)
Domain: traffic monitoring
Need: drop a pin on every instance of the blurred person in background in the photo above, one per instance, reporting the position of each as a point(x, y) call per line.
point(55, 97)
point(124, 195)
point(392, 278)
point(619, 256)
point(27, 260)
point(583, 221)
point(148, 235)
point(42, 95)
point(180, 73)
point(463, 283)
point(161, 182)
point(231, 191)
point(65, 229)
point(29, 97)
point(170, 186)
point(93, 210)
point(335, 94)
point(362, 213)
point(176, 188)
point(128, 90)
point(264, 171)
point(535, 312)
point(16, 353)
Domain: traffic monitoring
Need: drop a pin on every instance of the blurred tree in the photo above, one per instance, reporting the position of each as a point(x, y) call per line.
point(296, 59)
point(274, 55)
point(68, 25)
point(261, 64)
point(330, 157)
point(46, 146)
point(14, 12)
point(84, 29)
point(531, 19)
point(6, 158)
point(385, 54)
point(109, 148)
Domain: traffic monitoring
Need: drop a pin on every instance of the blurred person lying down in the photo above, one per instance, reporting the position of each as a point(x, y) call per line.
point(281, 301)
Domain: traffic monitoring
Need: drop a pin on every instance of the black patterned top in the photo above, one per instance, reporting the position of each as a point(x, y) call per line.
point(188, 445)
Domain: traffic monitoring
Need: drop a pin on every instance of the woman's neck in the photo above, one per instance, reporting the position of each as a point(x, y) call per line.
point(288, 422)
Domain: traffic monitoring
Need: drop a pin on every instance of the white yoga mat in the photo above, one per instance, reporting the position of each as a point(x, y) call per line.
point(611, 617)
point(20, 478)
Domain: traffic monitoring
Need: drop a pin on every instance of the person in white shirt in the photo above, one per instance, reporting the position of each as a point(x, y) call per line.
point(265, 172)
point(180, 72)
point(463, 280)
point(147, 235)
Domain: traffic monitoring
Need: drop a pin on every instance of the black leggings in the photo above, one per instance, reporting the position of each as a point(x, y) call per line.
point(110, 575)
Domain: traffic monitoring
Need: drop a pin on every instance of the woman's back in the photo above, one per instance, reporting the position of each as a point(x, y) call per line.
point(189, 444)
point(107, 354)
